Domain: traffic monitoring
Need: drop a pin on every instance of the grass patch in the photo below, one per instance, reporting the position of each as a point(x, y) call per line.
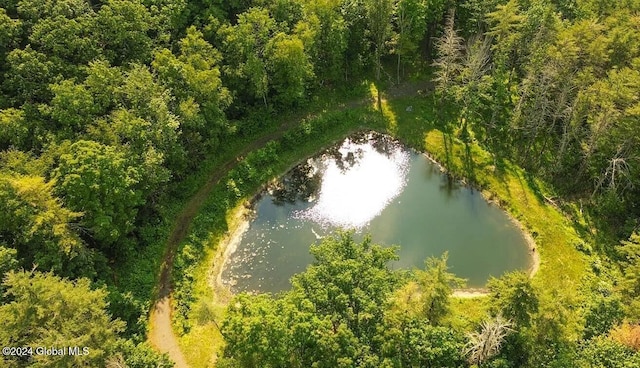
point(412, 120)
point(467, 313)
point(563, 268)
point(219, 217)
point(138, 276)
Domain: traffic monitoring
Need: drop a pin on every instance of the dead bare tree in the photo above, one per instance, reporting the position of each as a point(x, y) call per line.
point(448, 64)
point(486, 343)
point(616, 177)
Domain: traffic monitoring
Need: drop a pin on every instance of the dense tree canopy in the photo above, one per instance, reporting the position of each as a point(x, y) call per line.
point(338, 315)
point(43, 311)
point(107, 108)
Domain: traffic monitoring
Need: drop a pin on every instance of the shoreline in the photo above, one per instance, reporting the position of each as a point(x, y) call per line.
point(241, 215)
point(226, 246)
point(535, 261)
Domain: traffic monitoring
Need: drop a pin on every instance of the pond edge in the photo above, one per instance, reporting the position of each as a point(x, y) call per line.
point(244, 212)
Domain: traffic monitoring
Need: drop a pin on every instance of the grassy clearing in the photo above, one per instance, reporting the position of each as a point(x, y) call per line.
point(139, 275)
point(562, 270)
point(563, 267)
point(220, 215)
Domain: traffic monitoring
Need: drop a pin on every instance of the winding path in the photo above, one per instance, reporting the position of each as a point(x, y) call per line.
point(161, 335)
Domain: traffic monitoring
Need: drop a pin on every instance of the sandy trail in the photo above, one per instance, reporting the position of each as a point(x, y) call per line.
point(161, 334)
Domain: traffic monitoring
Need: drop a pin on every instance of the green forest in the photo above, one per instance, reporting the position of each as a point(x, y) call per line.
point(133, 132)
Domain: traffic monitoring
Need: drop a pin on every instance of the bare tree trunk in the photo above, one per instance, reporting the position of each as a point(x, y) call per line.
point(398, 71)
point(378, 65)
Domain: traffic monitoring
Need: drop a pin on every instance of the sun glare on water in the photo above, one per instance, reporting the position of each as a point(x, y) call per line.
point(351, 197)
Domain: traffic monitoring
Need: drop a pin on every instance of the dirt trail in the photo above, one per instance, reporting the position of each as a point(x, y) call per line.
point(161, 334)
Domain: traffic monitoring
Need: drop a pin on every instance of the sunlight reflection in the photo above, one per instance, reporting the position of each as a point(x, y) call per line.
point(351, 197)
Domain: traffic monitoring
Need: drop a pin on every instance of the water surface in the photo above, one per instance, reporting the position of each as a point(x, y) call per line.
point(372, 184)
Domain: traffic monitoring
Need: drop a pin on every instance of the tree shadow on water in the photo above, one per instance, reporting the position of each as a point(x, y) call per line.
point(468, 164)
point(448, 143)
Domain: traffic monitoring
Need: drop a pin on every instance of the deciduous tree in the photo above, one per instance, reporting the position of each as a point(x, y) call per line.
point(48, 311)
point(436, 286)
point(99, 182)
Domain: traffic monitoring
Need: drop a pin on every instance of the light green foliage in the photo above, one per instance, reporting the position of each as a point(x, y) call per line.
point(194, 72)
point(260, 51)
point(606, 353)
point(150, 122)
point(151, 144)
point(69, 39)
point(289, 68)
point(141, 92)
point(34, 222)
point(142, 355)
point(30, 13)
point(103, 82)
point(14, 130)
point(324, 34)
point(99, 181)
point(331, 318)
point(167, 17)
point(413, 342)
point(19, 163)
point(194, 78)
point(28, 76)
point(35, 10)
point(8, 262)
point(72, 106)
point(411, 20)
point(472, 14)
point(9, 30)
point(379, 13)
point(514, 297)
point(244, 46)
point(48, 311)
point(349, 281)
point(144, 120)
point(505, 23)
point(436, 285)
point(260, 331)
point(121, 28)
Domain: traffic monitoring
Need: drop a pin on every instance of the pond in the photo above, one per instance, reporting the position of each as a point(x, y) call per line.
point(374, 185)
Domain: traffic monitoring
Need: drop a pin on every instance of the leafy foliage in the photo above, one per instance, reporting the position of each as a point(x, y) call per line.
point(514, 298)
point(36, 225)
point(436, 285)
point(98, 181)
point(336, 315)
point(43, 311)
point(107, 108)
